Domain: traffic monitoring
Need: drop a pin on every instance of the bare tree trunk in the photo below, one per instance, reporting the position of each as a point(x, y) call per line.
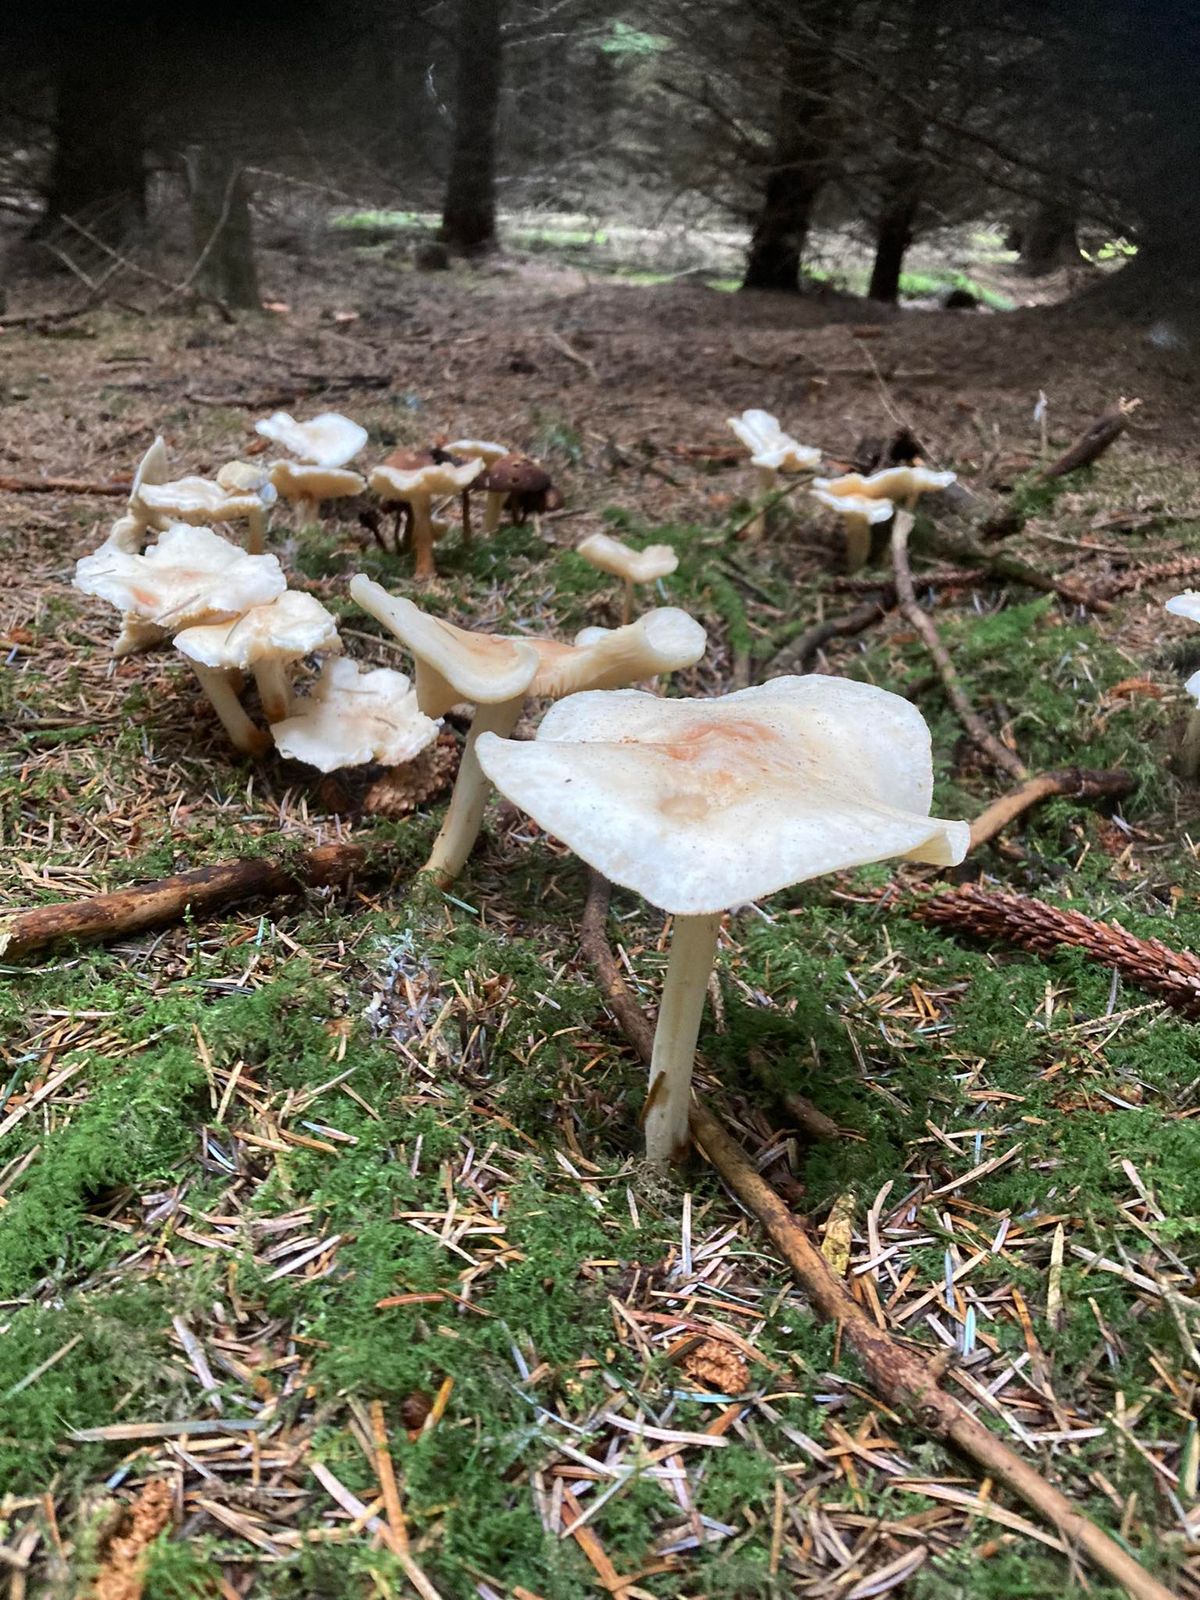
point(469, 214)
point(800, 154)
point(892, 239)
point(222, 232)
point(1048, 238)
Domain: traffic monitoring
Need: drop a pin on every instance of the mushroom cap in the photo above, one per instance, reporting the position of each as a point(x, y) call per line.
point(701, 805)
point(191, 575)
point(352, 717)
point(662, 640)
point(397, 479)
point(515, 474)
point(769, 446)
point(636, 566)
point(893, 483)
point(451, 663)
point(854, 505)
point(485, 450)
point(196, 501)
point(248, 477)
point(329, 440)
point(1192, 686)
point(303, 480)
point(127, 533)
point(152, 468)
point(1186, 605)
point(294, 625)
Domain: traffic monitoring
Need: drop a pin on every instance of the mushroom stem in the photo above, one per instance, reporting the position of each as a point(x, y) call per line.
point(627, 603)
point(858, 542)
point(422, 537)
point(1189, 750)
point(693, 951)
point(256, 531)
point(491, 510)
point(307, 511)
point(466, 516)
point(764, 484)
point(272, 689)
point(464, 815)
point(247, 738)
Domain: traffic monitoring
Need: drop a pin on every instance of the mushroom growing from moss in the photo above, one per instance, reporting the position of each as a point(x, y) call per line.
point(858, 513)
point(1187, 605)
point(522, 485)
point(265, 640)
point(190, 575)
point(352, 717)
point(417, 478)
point(771, 452)
point(632, 566)
point(330, 440)
point(497, 675)
point(704, 805)
point(485, 450)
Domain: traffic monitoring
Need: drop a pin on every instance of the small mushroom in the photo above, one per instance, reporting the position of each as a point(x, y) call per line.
point(485, 450)
point(128, 532)
point(417, 478)
point(497, 675)
point(249, 477)
point(191, 575)
point(329, 440)
point(857, 512)
point(305, 485)
point(1187, 605)
point(199, 502)
point(352, 717)
point(771, 452)
point(265, 640)
point(521, 484)
point(631, 566)
point(703, 805)
point(903, 485)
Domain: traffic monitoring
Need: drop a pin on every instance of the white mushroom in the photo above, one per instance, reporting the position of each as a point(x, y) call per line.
point(904, 485)
point(128, 532)
point(253, 478)
point(702, 805)
point(489, 452)
point(199, 502)
point(497, 675)
point(266, 640)
point(857, 512)
point(305, 485)
point(190, 575)
point(417, 480)
point(771, 452)
point(353, 717)
point(1187, 605)
point(632, 566)
point(329, 440)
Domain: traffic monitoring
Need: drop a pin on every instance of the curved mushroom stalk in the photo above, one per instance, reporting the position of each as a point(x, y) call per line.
point(1189, 750)
point(218, 686)
point(858, 543)
point(273, 691)
point(464, 815)
point(493, 505)
point(765, 479)
point(665, 1117)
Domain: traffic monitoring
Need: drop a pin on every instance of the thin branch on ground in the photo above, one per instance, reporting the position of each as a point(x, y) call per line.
point(1074, 783)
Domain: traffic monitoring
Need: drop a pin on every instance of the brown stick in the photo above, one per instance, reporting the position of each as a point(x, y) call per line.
point(794, 654)
point(117, 488)
point(1182, 567)
point(1092, 442)
point(148, 905)
point(985, 741)
point(1033, 925)
point(959, 547)
point(1077, 783)
point(904, 1378)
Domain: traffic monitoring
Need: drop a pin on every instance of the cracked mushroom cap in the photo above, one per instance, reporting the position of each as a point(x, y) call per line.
point(855, 505)
point(303, 480)
point(769, 446)
point(485, 450)
point(329, 440)
point(409, 472)
point(287, 629)
point(451, 664)
point(191, 575)
point(893, 483)
point(353, 717)
point(635, 566)
point(195, 501)
point(700, 805)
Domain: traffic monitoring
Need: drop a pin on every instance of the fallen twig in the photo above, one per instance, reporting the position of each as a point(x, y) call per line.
point(986, 742)
point(1076, 783)
point(1182, 567)
point(117, 488)
point(1092, 442)
point(148, 905)
point(1033, 925)
point(794, 654)
point(213, 300)
point(904, 1377)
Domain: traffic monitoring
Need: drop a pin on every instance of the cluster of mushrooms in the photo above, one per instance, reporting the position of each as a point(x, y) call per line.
point(699, 805)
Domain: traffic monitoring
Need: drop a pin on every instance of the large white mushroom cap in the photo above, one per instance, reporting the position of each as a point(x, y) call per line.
point(701, 805)
point(769, 446)
point(286, 629)
point(854, 505)
point(190, 575)
point(353, 717)
point(329, 440)
point(623, 561)
point(893, 483)
point(434, 477)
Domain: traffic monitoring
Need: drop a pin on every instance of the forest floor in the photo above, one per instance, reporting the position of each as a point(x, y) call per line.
point(276, 1181)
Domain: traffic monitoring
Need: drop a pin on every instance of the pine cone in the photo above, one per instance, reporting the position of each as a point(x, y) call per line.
point(401, 790)
point(1033, 925)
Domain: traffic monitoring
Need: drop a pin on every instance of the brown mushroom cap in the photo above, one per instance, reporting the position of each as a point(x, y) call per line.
point(516, 474)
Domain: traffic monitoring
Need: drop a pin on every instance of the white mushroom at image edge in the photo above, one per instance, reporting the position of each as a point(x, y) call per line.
point(632, 566)
point(330, 440)
point(771, 452)
point(903, 485)
point(497, 675)
point(704, 805)
point(858, 512)
point(190, 575)
point(1187, 605)
point(305, 484)
point(265, 640)
point(417, 486)
point(352, 717)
